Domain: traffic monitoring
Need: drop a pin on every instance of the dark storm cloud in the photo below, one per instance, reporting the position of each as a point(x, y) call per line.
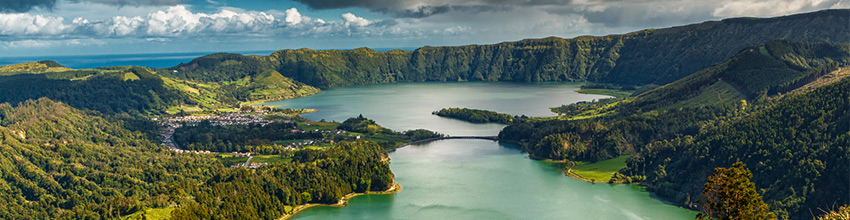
point(27, 5)
point(24, 5)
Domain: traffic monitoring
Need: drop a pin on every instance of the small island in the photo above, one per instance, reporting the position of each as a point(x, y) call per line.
point(478, 116)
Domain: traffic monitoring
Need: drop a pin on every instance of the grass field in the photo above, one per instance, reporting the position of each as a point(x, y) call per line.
point(187, 109)
point(151, 214)
point(313, 125)
point(130, 76)
point(602, 170)
point(718, 93)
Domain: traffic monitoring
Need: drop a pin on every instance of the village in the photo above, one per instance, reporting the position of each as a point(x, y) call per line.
point(245, 117)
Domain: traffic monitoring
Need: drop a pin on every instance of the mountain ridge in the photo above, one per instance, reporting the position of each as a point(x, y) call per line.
point(657, 56)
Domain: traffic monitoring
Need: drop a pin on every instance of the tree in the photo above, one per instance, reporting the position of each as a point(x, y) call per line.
point(729, 194)
point(306, 197)
point(842, 213)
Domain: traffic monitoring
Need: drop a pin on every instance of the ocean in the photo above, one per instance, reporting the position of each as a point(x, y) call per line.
point(154, 60)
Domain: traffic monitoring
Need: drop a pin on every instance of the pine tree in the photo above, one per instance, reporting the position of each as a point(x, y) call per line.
point(729, 194)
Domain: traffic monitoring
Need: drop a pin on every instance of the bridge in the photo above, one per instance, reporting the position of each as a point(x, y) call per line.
point(492, 138)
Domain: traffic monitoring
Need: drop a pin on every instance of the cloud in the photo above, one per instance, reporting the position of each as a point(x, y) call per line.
point(292, 16)
point(56, 23)
point(27, 24)
point(770, 8)
point(180, 22)
point(609, 13)
point(27, 5)
point(351, 19)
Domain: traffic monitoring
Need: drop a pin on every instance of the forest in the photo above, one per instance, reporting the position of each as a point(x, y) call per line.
point(60, 162)
point(478, 116)
point(132, 90)
point(748, 108)
point(385, 137)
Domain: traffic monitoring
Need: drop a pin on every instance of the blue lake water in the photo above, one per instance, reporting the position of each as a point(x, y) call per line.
point(473, 179)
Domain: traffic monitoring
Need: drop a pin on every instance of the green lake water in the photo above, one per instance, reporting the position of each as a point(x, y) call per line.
point(473, 179)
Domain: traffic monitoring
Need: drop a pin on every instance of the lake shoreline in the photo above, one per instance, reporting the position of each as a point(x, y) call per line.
point(395, 188)
point(569, 172)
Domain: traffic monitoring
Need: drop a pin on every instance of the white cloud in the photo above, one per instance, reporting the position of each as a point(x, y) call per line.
point(351, 19)
point(292, 16)
point(181, 22)
point(27, 24)
point(769, 8)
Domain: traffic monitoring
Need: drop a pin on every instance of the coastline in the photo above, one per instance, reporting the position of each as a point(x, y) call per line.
point(342, 202)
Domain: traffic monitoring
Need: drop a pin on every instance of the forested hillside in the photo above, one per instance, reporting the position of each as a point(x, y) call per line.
point(649, 56)
point(797, 149)
point(122, 90)
point(60, 162)
point(709, 105)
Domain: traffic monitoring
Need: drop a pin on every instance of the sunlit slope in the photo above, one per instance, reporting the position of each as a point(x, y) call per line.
point(32, 68)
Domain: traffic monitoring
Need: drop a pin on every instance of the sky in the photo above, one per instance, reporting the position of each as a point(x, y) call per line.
point(86, 27)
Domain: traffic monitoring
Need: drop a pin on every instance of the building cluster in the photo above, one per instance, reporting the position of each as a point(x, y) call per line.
point(191, 151)
point(171, 124)
point(253, 165)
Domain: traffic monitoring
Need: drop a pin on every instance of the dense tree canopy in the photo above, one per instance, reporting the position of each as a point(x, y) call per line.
point(60, 162)
point(679, 132)
point(729, 194)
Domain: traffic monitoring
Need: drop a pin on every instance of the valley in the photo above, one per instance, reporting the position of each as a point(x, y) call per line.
point(623, 126)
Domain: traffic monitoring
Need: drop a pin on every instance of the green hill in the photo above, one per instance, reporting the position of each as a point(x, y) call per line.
point(43, 66)
point(688, 106)
point(648, 56)
point(694, 113)
point(797, 149)
point(57, 162)
point(138, 89)
point(128, 89)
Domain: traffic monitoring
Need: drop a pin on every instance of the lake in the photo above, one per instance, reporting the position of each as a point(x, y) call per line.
point(473, 179)
point(407, 106)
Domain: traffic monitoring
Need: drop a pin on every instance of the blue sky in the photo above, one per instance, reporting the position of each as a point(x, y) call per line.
point(72, 27)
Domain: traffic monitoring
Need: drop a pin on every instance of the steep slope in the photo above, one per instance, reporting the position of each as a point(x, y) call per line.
point(688, 106)
point(797, 149)
point(679, 132)
point(649, 56)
